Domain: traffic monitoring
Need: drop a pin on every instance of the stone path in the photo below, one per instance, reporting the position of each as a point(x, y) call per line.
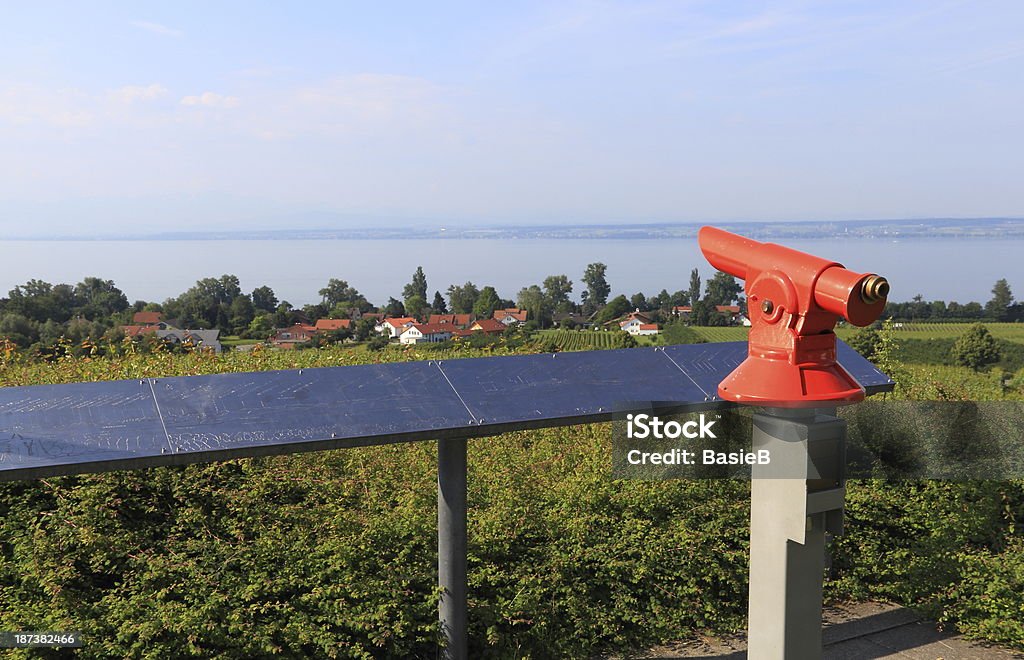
point(859, 631)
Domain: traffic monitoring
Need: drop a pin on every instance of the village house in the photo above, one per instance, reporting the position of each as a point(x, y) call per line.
point(202, 339)
point(420, 333)
point(394, 327)
point(736, 317)
point(636, 327)
point(143, 322)
point(637, 323)
point(488, 326)
point(288, 338)
point(510, 315)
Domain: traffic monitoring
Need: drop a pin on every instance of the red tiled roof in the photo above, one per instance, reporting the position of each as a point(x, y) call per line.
point(488, 325)
point(400, 321)
point(461, 320)
point(649, 326)
point(431, 328)
point(514, 312)
point(333, 324)
point(682, 308)
point(735, 309)
point(136, 330)
point(147, 318)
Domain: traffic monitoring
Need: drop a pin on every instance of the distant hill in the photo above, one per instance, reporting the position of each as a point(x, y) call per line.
point(959, 228)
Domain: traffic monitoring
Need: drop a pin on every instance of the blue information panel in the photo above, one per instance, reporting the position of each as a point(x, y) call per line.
point(90, 427)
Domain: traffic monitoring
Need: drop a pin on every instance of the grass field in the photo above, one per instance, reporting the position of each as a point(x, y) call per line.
point(722, 334)
point(234, 340)
point(1007, 331)
point(586, 340)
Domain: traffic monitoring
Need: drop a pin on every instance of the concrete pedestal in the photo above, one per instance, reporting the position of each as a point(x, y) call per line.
point(795, 501)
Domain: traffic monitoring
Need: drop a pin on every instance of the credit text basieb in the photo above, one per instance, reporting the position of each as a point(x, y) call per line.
point(644, 427)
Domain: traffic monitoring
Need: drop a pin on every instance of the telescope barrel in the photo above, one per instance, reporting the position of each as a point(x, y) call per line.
point(728, 252)
point(857, 297)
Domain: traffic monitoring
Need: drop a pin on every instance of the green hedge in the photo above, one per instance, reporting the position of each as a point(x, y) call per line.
point(333, 554)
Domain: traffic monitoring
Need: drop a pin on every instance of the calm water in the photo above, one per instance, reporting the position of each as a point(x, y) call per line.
point(296, 270)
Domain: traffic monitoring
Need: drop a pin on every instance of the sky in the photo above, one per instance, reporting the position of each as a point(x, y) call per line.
point(148, 117)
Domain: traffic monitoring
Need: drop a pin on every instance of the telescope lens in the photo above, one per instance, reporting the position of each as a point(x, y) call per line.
point(875, 288)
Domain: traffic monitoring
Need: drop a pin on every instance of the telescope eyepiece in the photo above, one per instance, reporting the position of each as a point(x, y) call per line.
point(874, 288)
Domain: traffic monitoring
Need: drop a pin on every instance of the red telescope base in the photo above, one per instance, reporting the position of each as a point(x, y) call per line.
point(779, 384)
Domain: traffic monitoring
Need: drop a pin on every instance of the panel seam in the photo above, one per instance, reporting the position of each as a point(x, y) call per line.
point(706, 395)
point(461, 400)
point(159, 413)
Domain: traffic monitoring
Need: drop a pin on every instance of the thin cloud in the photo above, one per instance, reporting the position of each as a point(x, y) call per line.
point(157, 28)
point(133, 93)
point(210, 100)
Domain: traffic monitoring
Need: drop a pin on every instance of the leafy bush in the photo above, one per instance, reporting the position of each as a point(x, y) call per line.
point(333, 554)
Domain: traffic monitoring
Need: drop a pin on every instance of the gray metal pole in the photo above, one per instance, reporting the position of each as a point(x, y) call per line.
point(794, 501)
point(451, 546)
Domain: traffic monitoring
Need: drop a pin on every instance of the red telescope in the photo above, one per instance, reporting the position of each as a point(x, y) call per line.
point(794, 300)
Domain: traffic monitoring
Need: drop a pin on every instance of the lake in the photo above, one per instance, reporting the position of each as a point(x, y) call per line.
point(945, 269)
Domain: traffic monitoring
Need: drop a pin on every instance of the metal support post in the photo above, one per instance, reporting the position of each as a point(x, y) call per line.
point(451, 546)
point(795, 500)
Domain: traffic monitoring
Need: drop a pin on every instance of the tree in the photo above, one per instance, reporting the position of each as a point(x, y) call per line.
point(207, 303)
point(486, 303)
point(365, 328)
point(998, 308)
point(918, 307)
point(976, 348)
point(704, 313)
point(415, 306)
point(722, 289)
point(639, 301)
point(41, 301)
point(537, 304)
point(438, 306)
point(97, 298)
point(694, 292)
point(463, 298)
point(418, 286)
point(394, 308)
point(615, 308)
point(597, 286)
point(18, 329)
point(315, 311)
point(263, 299)
point(284, 315)
point(242, 313)
point(662, 301)
point(261, 326)
point(557, 288)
